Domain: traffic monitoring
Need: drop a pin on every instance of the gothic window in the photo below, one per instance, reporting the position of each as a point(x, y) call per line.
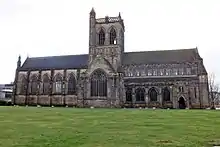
point(129, 95)
point(33, 84)
point(152, 94)
point(161, 71)
point(154, 72)
point(194, 71)
point(143, 72)
point(58, 84)
point(126, 73)
point(112, 36)
point(97, 51)
point(46, 84)
point(71, 84)
point(166, 94)
point(149, 73)
point(99, 84)
point(101, 37)
point(175, 71)
point(130, 74)
point(139, 94)
point(181, 89)
point(22, 85)
point(168, 71)
point(181, 71)
point(138, 73)
point(188, 71)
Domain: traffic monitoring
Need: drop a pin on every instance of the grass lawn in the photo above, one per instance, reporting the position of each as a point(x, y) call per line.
point(75, 127)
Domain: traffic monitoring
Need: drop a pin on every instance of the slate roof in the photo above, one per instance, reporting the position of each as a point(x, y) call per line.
point(81, 61)
point(56, 62)
point(160, 56)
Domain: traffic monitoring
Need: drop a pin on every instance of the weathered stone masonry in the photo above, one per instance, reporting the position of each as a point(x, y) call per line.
point(110, 77)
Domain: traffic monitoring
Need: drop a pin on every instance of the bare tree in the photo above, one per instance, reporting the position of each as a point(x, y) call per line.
point(213, 90)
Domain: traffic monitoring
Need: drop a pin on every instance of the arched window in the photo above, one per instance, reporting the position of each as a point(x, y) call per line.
point(71, 84)
point(152, 94)
point(22, 86)
point(139, 94)
point(112, 36)
point(58, 84)
point(46, 84)
point(33, 84)
point(166, 94)
point(181, 89)
point(129, 95)
point(101, 37)
point(98, 84)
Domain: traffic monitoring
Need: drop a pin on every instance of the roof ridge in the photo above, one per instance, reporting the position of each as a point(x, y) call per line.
point(161, 50)
point(41, 57)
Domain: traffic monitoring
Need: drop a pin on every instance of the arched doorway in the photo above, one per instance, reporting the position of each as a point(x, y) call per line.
point(182, 103)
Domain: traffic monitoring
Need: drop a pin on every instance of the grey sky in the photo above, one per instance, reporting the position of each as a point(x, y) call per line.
point(59, 27)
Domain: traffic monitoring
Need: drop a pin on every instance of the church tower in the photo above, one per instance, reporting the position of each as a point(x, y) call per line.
point(106, 38)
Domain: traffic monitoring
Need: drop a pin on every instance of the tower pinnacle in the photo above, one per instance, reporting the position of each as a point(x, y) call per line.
point(92, 12)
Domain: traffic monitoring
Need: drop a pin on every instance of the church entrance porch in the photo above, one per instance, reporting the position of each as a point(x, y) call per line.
point(182, 103)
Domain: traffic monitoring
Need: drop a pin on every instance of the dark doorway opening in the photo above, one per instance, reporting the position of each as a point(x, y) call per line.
point(182, 103)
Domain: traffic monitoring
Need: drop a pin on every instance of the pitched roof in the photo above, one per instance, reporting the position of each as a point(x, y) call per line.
point(56, 62)
point(81, 61)
point(160, 56)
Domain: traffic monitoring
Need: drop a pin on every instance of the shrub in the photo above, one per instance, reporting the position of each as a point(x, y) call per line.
point(5, 103)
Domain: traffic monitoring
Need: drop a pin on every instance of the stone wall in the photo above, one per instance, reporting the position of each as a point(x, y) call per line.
point(44, 100)
point(20, 99)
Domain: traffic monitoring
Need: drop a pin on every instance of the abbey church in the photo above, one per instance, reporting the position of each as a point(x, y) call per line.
point(108, 76)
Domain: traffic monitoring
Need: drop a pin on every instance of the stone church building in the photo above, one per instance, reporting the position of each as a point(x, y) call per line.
point(110, 77)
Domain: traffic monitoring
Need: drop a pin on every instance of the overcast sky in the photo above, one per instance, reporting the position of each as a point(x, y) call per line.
point(59, 27)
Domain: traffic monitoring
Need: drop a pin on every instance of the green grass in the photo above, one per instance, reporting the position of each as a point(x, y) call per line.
point(74, 127)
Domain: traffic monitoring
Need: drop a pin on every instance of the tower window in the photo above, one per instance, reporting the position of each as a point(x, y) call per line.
point(101, 37)
point(112, 36)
